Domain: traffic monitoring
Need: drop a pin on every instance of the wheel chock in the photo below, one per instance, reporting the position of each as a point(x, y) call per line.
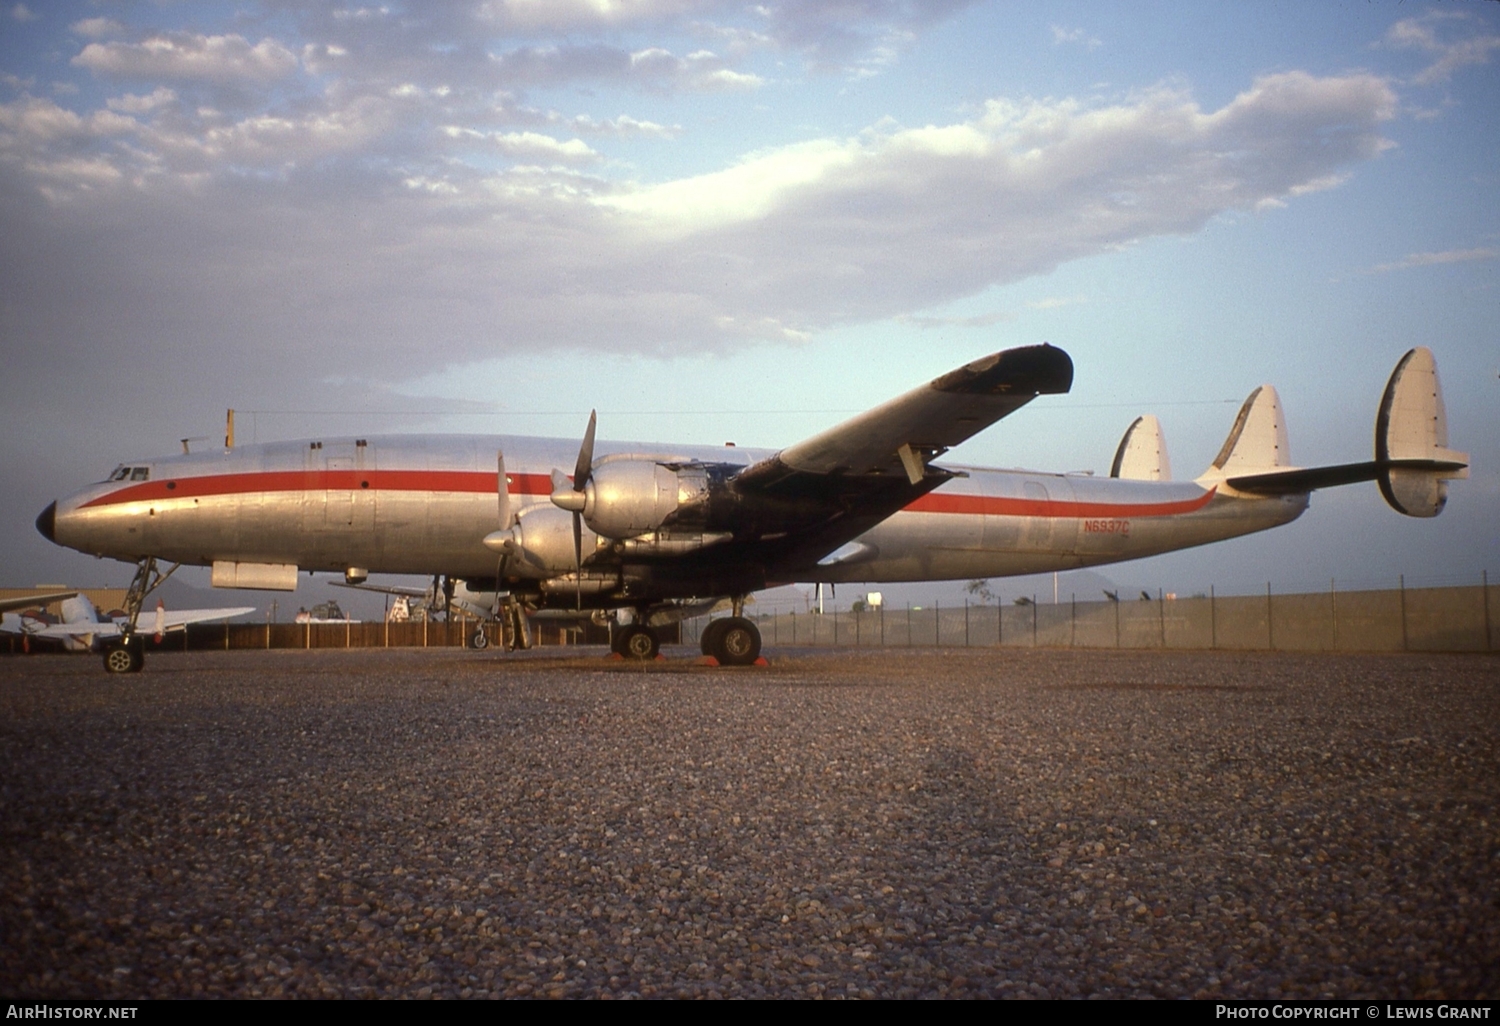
point(615, 655)
point(761, 661)
point(707, 661)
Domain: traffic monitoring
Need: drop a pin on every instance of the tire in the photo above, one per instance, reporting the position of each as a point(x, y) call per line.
point(737, 643)
point(480, 640)
point(709, 641)
point(638, 642)
point(123, 657)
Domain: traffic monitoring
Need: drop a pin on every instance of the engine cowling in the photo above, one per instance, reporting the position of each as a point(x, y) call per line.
point(628, 497)
point(541, 542)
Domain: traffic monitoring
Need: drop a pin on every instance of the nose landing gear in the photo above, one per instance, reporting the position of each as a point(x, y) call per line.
point(127, 653)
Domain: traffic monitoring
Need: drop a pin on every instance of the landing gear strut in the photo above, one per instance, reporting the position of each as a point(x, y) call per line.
point(127, 653)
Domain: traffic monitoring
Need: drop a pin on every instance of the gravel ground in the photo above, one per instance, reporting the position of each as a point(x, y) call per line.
point(954, 823)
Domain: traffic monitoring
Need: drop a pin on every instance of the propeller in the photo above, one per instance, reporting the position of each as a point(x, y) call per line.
point(572, 498)
point(502, 491)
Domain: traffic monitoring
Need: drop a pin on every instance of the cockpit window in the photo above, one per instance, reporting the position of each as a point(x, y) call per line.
point(139, 473)
point(120, 474)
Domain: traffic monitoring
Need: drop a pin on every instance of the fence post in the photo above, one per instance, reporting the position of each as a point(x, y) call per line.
point(937, 625)
point(966, 623)
point(999, 622)
point(1333, 601)
point(1403, 613)
point(1484, 577)
point(1213, 618)
point(1073, 620)
point(1033, 619)
point(1270, 631)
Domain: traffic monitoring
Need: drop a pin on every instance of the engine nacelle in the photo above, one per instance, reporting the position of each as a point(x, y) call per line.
point(541, 542)
point(629, 496)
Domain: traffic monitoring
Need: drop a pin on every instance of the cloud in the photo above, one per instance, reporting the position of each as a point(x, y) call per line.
point(22, 13)
point(1449, 256)
point(96, 28)
point(1423, 34)
point(926, 321)
point(530, 145)
point(338, 235)
point(624, 126)
point(1061, 35)
point(159, 97)
point(218, 59)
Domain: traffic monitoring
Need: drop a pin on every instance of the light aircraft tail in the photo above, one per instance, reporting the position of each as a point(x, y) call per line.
point(1412, 460)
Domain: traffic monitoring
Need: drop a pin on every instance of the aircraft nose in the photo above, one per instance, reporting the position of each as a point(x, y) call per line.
point(47, 522)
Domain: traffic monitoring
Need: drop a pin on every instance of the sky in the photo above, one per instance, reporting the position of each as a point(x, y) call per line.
point(716, 221)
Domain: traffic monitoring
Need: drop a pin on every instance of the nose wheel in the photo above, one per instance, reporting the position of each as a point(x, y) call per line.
point(125, 656)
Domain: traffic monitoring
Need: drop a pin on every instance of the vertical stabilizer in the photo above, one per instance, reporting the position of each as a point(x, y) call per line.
point(1142, 455)
point(1412, 424)
point(1258, 440)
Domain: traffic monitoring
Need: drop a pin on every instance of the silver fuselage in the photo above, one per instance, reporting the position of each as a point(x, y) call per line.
point(415, 504)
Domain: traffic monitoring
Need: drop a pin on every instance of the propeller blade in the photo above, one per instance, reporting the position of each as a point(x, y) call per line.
point(502, 491)
point(585, 466)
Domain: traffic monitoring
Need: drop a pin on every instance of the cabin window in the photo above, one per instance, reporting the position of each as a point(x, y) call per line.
point(139, 473)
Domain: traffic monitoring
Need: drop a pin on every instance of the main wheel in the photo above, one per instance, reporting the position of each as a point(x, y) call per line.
point(637, 642)
point(709, 640)
point(737, 643)
point(480, 640)
point(125, 657)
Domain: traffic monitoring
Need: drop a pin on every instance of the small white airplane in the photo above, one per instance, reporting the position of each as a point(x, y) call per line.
point(83, 629)
point(666, 532)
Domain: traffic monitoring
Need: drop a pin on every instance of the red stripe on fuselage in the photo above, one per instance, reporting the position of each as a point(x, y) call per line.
point(483, 483)
point(997, 506)
point(474, 482)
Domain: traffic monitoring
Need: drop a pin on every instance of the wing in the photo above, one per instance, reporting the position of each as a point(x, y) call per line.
point(813, 496)
point(27, 601)
point(171, 621)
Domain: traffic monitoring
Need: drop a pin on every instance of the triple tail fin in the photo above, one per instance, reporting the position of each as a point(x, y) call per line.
point(1412, 460)
point(1142, 455)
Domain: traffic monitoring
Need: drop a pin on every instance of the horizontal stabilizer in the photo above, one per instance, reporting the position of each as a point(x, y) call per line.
point(1308, 479)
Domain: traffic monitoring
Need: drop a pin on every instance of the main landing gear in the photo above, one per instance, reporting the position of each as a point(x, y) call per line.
point(734, 640)
point(636, 641)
